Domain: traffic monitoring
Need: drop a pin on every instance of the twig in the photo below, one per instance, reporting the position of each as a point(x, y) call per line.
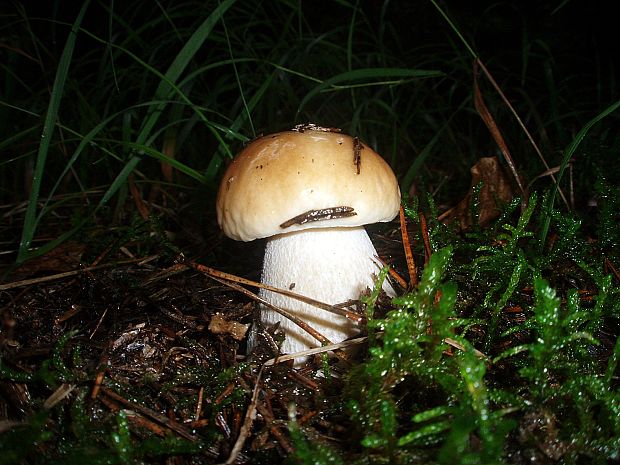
point(612, 268)
point(250, 415)
point(398, 278)
point(273, 428)
point(413, 275)
point(162, 419)
point(427, 241)
point(137, 199)
point(316, 350)
point(54, 277)
point(225, 393)
point(298, 321)
point(212, 272)
point(63, 391)
point(201, 392)
point(392, 272)
point(103, 365)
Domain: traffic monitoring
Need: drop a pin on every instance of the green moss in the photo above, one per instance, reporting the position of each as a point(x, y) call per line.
point(413, 401)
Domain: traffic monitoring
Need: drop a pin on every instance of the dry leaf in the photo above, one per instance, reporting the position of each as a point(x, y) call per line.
point(220, 325)
point(495, 193)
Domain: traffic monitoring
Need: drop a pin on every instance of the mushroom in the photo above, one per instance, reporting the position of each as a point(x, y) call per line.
point(310, 191)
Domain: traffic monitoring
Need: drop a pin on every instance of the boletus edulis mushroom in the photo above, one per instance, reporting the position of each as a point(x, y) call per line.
point(310, 191)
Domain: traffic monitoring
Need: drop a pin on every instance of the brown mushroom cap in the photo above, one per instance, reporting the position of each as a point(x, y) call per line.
point(291, 181)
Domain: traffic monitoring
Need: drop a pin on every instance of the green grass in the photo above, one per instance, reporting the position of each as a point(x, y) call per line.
point(104, 105)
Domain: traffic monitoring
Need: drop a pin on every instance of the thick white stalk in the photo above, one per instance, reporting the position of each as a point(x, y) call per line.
point(332, 265)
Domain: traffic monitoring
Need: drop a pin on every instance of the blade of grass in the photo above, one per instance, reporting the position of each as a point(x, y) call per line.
point(86, 141)
point(13, 140)
point(179, 64)
point(568, 153)
point(350, 52)
point(388, 76)
point(156, 154)
point(420, 158)
point(234, 65)
point(166, 85)
point(455, 29)
point(478, 62)
point(118, 182)
point(499, 91)
point(30, 220)
point(216, 160)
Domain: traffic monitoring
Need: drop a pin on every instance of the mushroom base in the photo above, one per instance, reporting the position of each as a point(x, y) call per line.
point(332, 265)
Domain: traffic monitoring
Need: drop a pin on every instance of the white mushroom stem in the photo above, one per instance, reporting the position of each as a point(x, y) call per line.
point(332, 265)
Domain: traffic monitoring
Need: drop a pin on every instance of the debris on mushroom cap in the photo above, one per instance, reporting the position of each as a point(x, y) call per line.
point(292, 180)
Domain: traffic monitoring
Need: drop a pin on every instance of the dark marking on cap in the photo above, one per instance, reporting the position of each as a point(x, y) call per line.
point(357, 154)
point(320, 215)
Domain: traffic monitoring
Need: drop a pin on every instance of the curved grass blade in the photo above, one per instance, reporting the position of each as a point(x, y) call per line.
point(156, 154)
point(179, 64)
point(30, 220)
point(568, 153)
point(170, 78)
point(371, 77)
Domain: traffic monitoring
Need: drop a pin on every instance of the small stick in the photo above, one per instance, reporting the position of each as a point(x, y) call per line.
point(250, 415)
point(392, 272)
point(427, 242)
point(63, 391)
point(141, 422)
point(458, 345)
point(225, 393)
point(137, 199)
point(298, 321)
point(301, 379)
point(306, 417)
point(612, 268)
point(273, 428)
point(53, 277)
point(213, 273)
point(316, 350)
point(413, 275)
point(103, 364)
point(398, 278)
point(164, 420)
point(201, 392)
